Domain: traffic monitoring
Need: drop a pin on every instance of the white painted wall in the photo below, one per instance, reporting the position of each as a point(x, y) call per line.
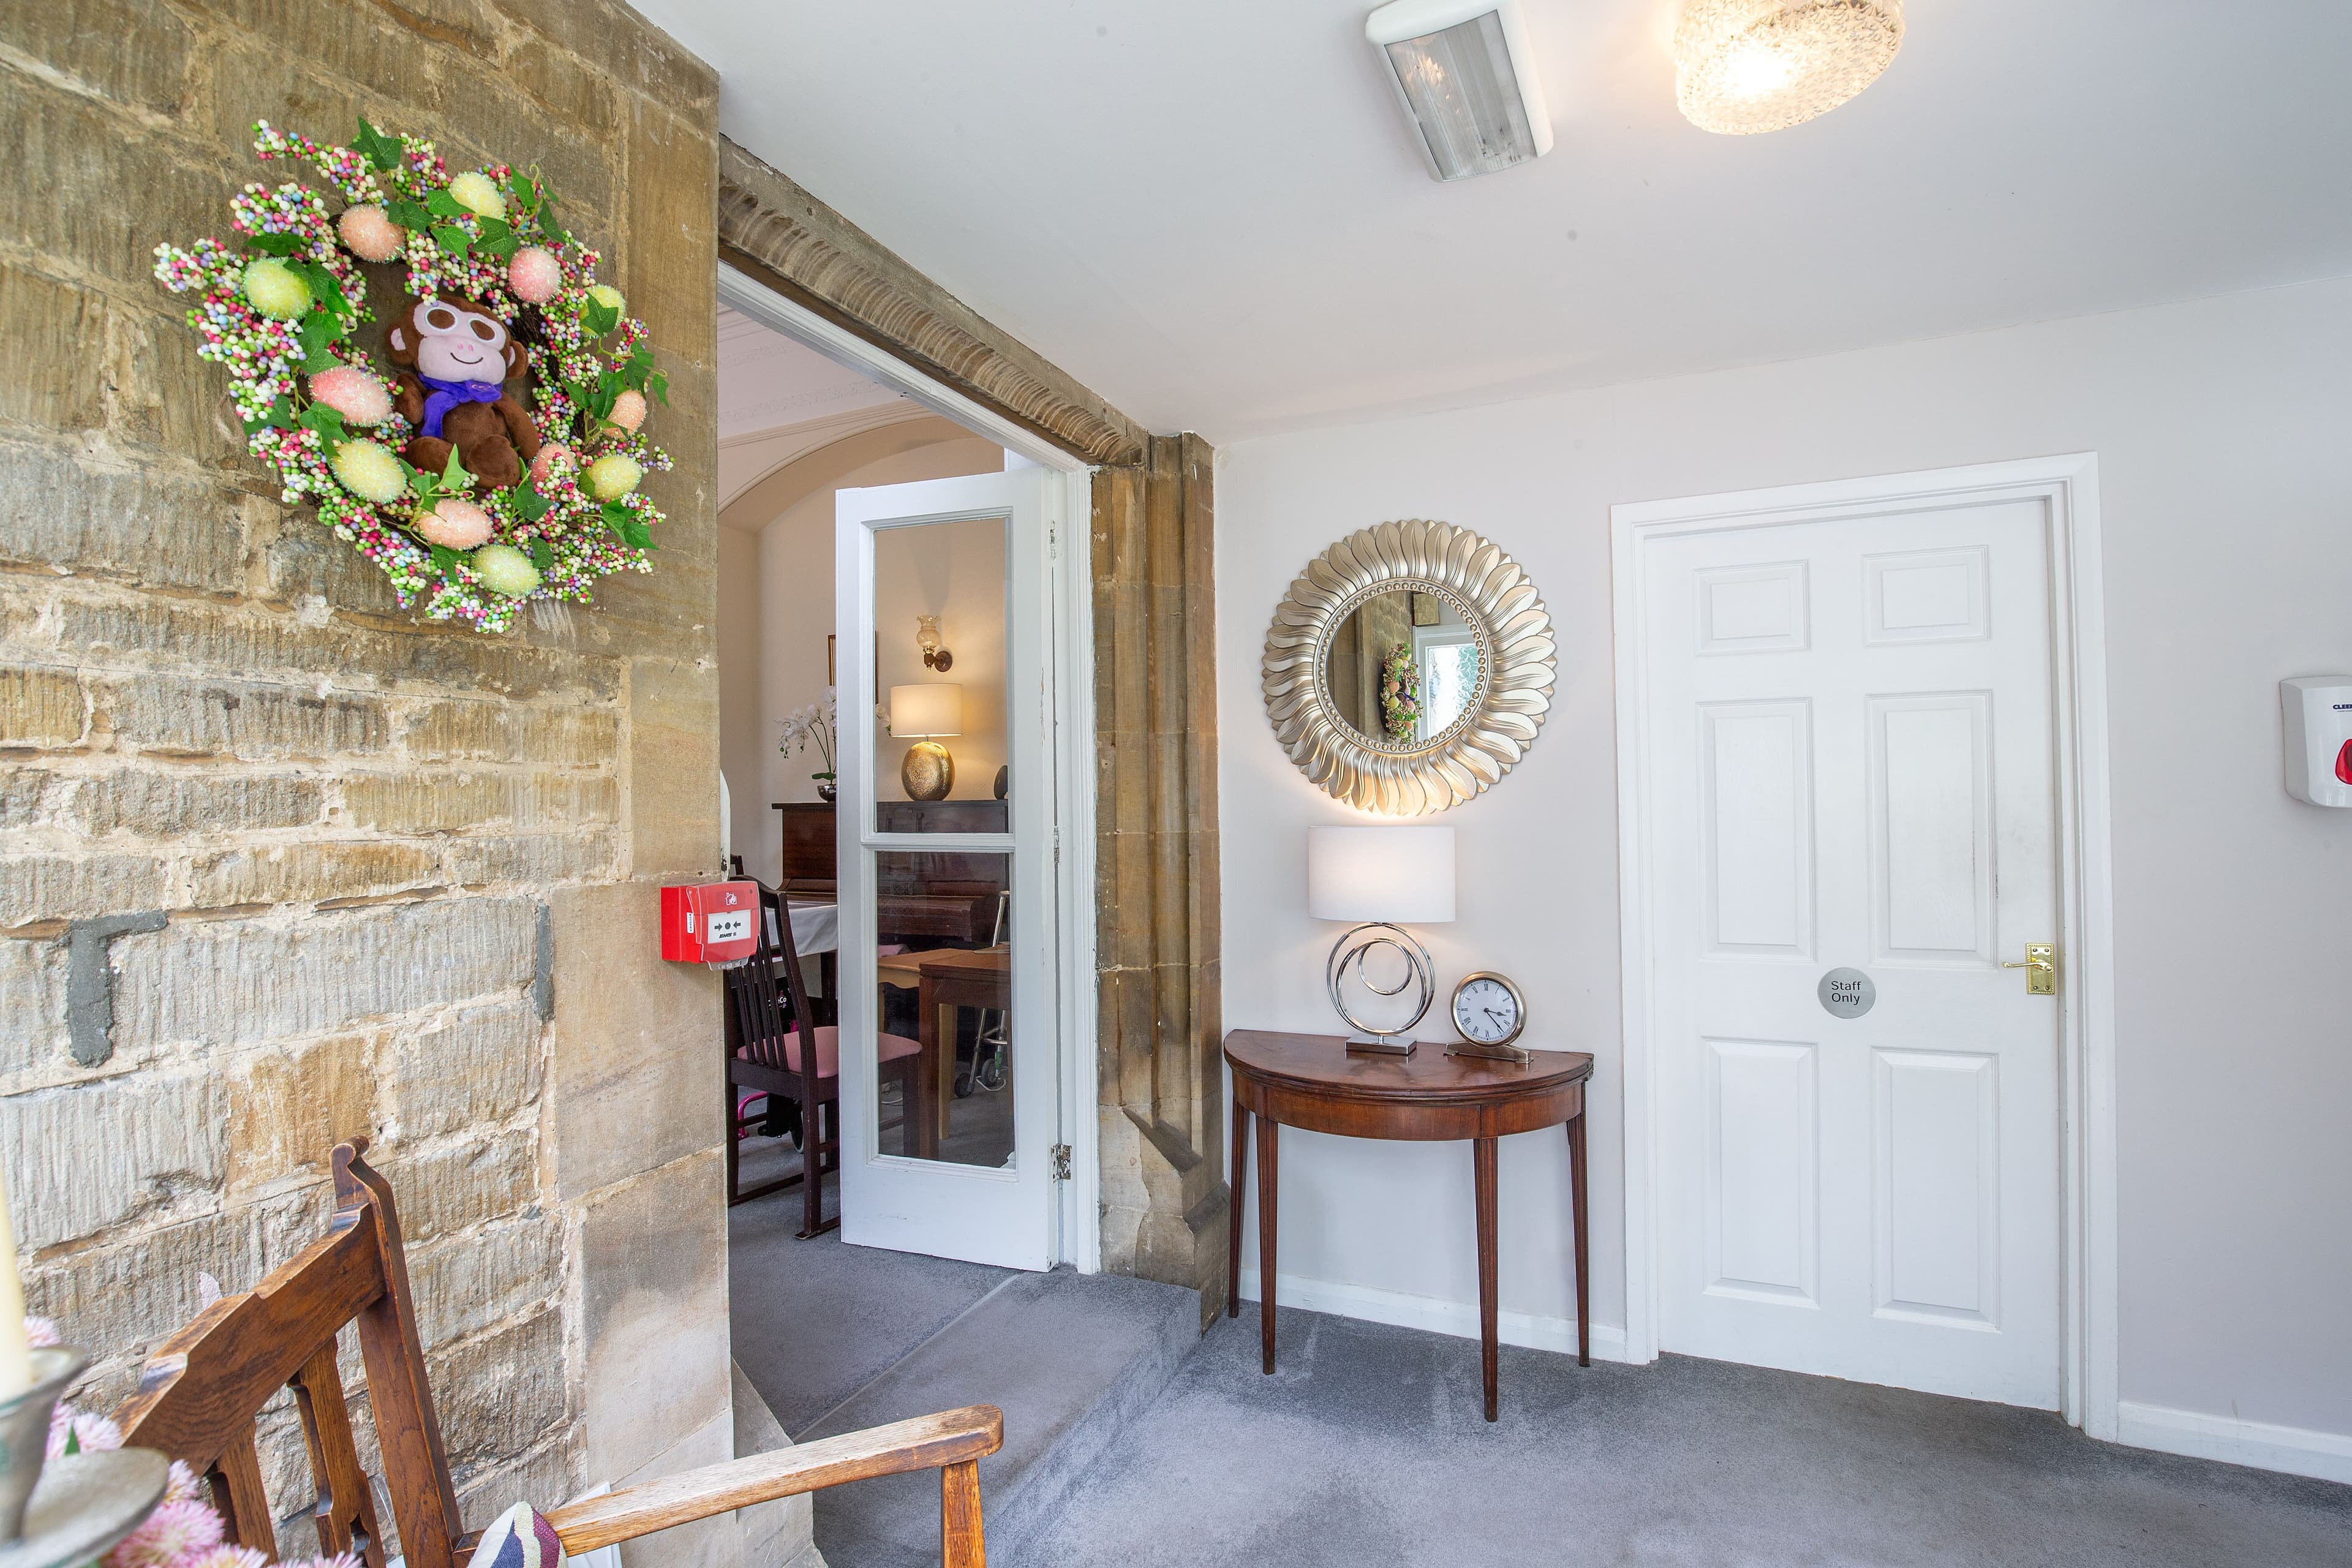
point(2221, 427)
point(775, 610)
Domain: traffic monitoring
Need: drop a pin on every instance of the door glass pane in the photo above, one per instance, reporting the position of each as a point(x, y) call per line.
point(944, 1009)
point(939, 676)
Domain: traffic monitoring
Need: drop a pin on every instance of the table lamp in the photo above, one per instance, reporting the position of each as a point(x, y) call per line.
point(1379, 878)
point(926, 712)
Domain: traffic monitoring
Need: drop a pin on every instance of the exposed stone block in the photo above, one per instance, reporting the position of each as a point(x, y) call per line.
point(229, 980)
point(310, 871)
point(654, 1312)
point(72, 163)
point(116, 49)
point(48, 335)
point(288, 1106)
point(538, 860)
point(673, 769)
point(187, 716)
point(182, 805)
point(507, 1383)
point(482, 1066)
point(435, 802)
point(98, 1154)
point(448, 1188)
point(32, 1018)
point(35, 887)
point(41, 708)
point(61, 511)
point(637, 1055)
point(465, 1284)
point(503, 732)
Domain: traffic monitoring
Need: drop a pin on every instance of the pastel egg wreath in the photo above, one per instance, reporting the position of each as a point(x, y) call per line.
point(586, 359)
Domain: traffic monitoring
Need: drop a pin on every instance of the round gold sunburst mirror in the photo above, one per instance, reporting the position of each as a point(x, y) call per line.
point(1409, 668)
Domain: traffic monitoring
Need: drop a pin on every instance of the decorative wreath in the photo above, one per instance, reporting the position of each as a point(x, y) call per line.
point(433, 470)
point(1401, 693)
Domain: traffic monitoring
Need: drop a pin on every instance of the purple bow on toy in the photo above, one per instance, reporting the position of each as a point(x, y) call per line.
point(447, 395)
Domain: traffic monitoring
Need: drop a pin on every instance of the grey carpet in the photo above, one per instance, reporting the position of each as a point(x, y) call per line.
point(1072, 1360)
point(1367, 1448)
point(816, 1320)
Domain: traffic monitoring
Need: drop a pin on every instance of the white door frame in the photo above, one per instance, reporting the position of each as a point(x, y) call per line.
point(2068, 487)
point(1078, 1219)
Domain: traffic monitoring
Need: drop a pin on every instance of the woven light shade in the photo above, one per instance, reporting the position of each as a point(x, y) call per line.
point(1747, 66)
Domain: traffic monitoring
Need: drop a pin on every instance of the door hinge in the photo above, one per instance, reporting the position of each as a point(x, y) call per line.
point(1061, 1169)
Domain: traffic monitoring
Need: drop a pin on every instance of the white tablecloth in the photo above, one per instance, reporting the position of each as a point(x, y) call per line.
point(816, 928)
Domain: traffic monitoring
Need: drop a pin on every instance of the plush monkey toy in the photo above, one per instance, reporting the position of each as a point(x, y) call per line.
point(456, 358)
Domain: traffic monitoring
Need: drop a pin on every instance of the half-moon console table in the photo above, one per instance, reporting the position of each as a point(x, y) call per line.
point(1310, 1081)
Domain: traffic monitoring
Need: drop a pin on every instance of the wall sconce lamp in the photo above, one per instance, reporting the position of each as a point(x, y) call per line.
point(926, 637)
point(1378, 876)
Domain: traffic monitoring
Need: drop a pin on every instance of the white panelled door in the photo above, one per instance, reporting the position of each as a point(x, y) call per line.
point(1849, 733)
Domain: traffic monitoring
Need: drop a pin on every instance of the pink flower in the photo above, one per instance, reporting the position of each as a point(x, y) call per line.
point(224, 1556)
point(182, 1485)
point(175, 1530)
point(40, 1333)
point(90, 1433)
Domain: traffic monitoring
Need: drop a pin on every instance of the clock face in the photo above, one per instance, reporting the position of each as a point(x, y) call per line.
point(1487, 1011)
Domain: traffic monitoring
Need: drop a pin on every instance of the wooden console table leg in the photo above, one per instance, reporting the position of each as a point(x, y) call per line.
point(1581, 1242)
point(1269, 1136)
point(1233, 1208)
point(1483, 1155)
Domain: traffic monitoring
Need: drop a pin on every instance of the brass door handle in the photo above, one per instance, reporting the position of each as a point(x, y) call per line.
point(2041, 966)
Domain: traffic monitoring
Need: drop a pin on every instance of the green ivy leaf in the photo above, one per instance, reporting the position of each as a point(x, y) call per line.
point(599, 319)
point(530, 506)
point(327, 424)
point(408, 213)
point(446, 561)
point(278, 415)
point(381, 151)
point(441, 204)
point(276, 243)
point(490, 231)
point(543, 555)
point(453, 240)
point(524, 195)
point(659, 385)
point(453, 473)
point(635, 534)
point(503, 249)
point(328, 291)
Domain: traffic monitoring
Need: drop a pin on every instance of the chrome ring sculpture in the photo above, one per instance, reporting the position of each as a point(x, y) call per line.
point(1351, 950)
point(1516, 664)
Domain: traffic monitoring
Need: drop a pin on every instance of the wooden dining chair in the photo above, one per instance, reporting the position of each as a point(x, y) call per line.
point(778, 1050)
point(201, 1392)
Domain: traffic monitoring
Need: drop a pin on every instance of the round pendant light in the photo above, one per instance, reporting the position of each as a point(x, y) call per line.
point(1747, 66)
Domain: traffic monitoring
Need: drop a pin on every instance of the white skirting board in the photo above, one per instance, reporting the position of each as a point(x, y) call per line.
point(1459, 1319)
point(2295, 1450)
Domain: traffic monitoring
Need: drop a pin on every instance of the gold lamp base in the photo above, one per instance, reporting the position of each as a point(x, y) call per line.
point(928, 772)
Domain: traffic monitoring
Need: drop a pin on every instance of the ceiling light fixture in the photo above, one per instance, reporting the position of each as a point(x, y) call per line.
point(1747, 66)
point(1465, 74)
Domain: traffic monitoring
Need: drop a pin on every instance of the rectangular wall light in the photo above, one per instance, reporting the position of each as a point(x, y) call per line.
point(1465, 74)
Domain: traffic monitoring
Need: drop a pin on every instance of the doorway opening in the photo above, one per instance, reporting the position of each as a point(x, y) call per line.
point(893, 662)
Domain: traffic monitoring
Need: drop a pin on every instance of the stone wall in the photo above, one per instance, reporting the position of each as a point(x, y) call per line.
point(278, 865)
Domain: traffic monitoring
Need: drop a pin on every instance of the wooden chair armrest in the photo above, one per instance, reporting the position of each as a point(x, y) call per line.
point(926, 1443)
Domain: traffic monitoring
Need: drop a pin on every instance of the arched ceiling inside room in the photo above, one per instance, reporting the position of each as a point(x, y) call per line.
point(1212, 213)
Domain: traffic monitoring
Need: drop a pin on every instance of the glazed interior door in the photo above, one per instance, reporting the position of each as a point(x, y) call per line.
point(949, 1093)
point(1850, 728)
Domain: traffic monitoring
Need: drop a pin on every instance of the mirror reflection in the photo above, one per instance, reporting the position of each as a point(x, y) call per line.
point(1402, 667)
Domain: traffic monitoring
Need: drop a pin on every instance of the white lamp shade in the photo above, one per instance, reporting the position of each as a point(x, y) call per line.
point(1400, 874)
point(935, 708)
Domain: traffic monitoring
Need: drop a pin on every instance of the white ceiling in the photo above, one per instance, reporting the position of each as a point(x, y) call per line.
point(1211, 213)
point(767, 380)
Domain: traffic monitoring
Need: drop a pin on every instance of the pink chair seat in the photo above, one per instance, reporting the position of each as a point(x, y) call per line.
point(828, 1049)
